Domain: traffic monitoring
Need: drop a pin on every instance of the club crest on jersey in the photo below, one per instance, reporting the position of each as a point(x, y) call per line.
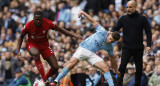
point(32, 37)
point(44, 32)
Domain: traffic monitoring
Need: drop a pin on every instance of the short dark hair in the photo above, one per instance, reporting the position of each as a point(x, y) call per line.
point(116, 35)
point(18, 70)
point(38, 13)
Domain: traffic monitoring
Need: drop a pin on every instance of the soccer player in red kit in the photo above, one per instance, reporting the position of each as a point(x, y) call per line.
point(37, 42)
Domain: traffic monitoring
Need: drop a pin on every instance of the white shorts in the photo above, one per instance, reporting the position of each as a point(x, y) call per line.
point(84, 54)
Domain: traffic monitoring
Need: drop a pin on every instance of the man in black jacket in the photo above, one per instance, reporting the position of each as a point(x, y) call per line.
point(133, 24)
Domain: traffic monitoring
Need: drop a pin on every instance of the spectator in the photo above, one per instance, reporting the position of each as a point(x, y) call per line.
point(4, 3)
point(148, 71)
point(20, 79)
point(157, 47)
point(95, 77)
point(64, 13)
point(34, 74)
point(32, 11)
point(66, 81)
point(1, 20)
point(48, 14)
point(8, 68)
point(10, 23)
point(156, 18)
point(81, 77)
point(23, 17)
point(74, 12)
point(154, 80)
point(129, 79)
point(2, 38)
point(10, 35)
point(93, 5)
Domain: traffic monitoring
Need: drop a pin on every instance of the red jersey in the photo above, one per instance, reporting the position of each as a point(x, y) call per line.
point(38, 34)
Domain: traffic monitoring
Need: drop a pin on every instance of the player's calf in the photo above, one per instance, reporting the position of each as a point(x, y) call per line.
point(51, 72)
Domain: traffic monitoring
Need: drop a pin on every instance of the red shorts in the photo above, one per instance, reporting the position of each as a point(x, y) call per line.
point(43, 48)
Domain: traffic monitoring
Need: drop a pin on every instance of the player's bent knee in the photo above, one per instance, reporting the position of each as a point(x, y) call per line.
point(73, 61)
point(34, 52)
point(70, 65)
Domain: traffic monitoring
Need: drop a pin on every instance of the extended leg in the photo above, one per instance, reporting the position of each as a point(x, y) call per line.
point(103, 67)
point(66, 69)
point(54, 65)
point(138, 62)
point(126, 55)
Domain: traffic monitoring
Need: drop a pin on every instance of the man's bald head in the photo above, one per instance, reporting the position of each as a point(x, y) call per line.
point(131, 7)
point(132, 2)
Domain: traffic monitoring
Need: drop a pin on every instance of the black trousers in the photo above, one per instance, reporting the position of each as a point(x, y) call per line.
point(137, 56)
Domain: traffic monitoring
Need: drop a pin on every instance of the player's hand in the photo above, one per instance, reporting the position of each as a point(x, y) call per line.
point(118, 73)
point(19, 56)
point(79, 37)
point(148, 49)
point(80, 14)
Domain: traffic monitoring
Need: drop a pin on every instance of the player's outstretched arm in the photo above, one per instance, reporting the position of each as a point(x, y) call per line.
point(114, 65)
point(88, 17)
point(62, 30)
point(20, 40)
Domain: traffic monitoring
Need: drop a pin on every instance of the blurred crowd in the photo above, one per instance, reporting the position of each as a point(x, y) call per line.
point(14, 14)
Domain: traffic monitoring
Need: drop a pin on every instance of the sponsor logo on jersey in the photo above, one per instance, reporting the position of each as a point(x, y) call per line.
point(33, 33)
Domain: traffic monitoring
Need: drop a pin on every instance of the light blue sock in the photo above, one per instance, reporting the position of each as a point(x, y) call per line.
point(62, 74)
point(109, 79)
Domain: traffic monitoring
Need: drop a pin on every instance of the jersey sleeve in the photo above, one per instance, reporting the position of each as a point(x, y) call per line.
point(100, 28)
point(52, 25)
point(25, 30)
point(101, 31)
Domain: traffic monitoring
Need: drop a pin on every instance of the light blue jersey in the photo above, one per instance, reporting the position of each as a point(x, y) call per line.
point(97, 41)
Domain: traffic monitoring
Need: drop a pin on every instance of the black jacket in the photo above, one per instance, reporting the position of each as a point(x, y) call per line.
point(133, 26)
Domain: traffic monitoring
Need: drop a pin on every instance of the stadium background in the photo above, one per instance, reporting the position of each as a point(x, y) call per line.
point(15, 13)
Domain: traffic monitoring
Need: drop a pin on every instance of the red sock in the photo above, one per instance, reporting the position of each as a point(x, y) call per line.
point(40, 68)
point(50, 73)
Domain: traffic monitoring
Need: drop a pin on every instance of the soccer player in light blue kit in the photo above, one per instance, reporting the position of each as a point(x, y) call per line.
point(101, 40)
